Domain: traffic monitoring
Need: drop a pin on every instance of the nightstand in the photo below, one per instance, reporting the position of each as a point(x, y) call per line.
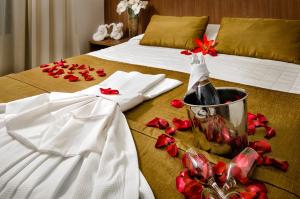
point(98, 45)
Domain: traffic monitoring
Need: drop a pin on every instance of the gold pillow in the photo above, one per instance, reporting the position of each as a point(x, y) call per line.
point(174, 32)
point(275, 39)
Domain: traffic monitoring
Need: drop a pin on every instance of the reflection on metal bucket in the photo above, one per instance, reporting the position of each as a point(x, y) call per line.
point(222, 128)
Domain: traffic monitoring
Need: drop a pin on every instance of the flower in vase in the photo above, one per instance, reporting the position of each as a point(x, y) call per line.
point(134, 5)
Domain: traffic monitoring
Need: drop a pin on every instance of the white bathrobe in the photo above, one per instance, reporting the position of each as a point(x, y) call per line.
point(79, 145)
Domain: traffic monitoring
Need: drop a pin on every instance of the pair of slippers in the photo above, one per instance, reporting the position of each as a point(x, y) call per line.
point(103, 32)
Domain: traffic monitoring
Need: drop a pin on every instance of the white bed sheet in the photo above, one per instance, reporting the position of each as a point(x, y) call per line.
point(275, 75)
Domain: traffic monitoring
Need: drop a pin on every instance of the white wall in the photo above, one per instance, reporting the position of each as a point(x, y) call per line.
point(90, 14)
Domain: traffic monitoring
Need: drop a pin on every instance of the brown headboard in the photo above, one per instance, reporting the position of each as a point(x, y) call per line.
point(215, 9)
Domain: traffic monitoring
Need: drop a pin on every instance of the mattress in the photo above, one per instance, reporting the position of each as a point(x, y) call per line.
point(269, 74)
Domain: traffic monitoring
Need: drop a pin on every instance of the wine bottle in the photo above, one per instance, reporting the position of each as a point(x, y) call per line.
point(199, 83)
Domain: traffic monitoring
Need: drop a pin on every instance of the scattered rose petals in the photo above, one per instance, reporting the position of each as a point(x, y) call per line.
point(261, 145)
point(91, 69)
point(44, 65)
point(248, 195)
point(163, 124)
point(186, 52)
point(182, 125)
point(158, 123)
point(82, 67)
point(256, 187)
point(177, 103)
point(164, 140)
point(172, 149)
point(252, 116)
point(261, 118)
point(109, 91)
point(154, 123)
point(59, 62)
point(73, 78)
point(270, 132)
point(220, 168)
point(282, 165)
point(88, 78)
point(170, 130)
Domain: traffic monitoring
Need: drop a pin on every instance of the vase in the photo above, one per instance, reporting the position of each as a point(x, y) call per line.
point(133, 22)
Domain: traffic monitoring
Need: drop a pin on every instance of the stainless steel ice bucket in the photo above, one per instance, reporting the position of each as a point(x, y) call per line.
point(222, 128)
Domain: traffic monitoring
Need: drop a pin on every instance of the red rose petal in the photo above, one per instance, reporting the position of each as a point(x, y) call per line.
point(46, 70)
point(251, 116)
point(73, 78)
point(170, 130)
point(282, 165)
point(256, 187)
point(70, 72)
point(267, 160)
point(44, 65)
point(261, 145)
point(56, 76)
point(193, 190)
point(172, 149)
point(82, 67)
point(164, 140)
point(109, 91)
point(177, 103)
point(101, 74)
point(185, 52)
point(180, 184)
point(220, 168)
point(88, 78)
point(260, 159)
point(270, 132)
point(248, 195)
point(182, 124)
point(60, 72)
point(154, 123)
point(163, 124)
point(262, 196)
point(261, 118)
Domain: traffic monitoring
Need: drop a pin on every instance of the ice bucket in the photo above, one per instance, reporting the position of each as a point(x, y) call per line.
point(222, 128)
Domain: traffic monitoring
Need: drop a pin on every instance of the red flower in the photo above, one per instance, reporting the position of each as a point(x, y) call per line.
point(109, 91)
point(177, 103)
point(158, 123)
point(164, 140)
point(170, 130)
point(44, 65)
point(261, 145)
point(205, 47)
point(190, 188)
point(172, 149)
point(182, 124)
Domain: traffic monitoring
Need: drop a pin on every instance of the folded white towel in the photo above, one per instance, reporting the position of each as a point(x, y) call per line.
point(75, 145)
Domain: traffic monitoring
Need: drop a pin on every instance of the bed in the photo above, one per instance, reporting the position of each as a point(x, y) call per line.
point(276, 95)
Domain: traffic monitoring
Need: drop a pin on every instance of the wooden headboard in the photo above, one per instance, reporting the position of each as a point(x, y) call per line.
point(215, 9)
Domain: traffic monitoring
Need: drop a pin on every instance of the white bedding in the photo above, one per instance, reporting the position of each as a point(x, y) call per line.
point(262, 73)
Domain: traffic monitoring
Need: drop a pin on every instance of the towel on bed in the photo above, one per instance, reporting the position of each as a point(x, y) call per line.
point(75, 145)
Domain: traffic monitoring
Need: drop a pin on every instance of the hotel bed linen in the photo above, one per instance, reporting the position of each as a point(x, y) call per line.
point(158, 167)
point(268, 74)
